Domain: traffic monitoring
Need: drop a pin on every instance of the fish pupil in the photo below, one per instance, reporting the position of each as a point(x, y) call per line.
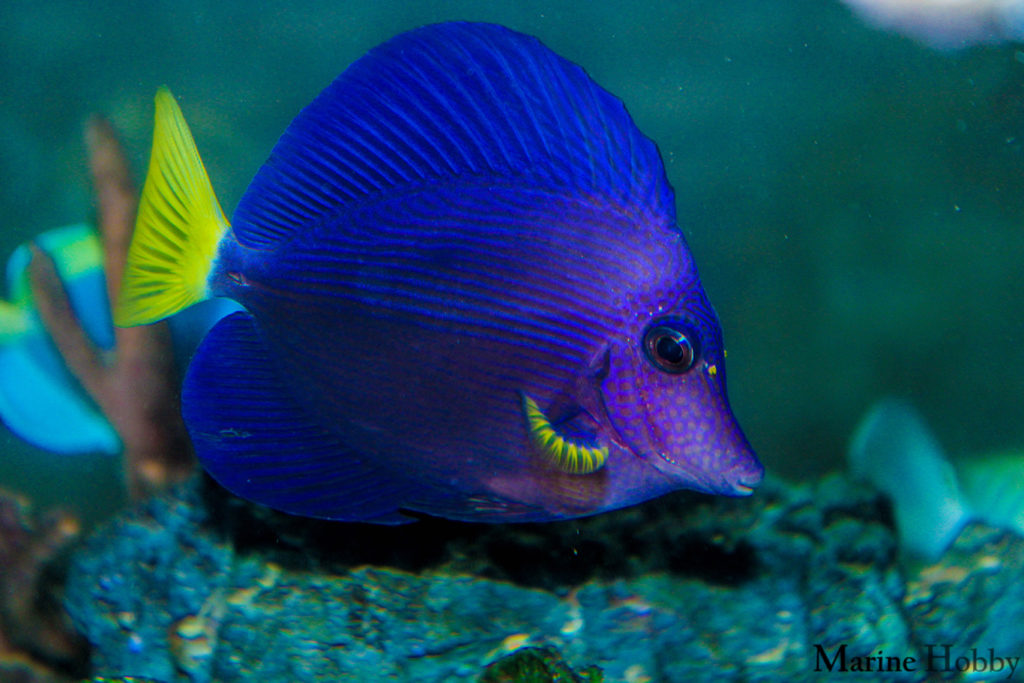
point(669, 348)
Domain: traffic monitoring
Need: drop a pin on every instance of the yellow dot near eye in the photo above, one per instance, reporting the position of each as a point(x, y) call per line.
point(712, 370)
point(566, 454)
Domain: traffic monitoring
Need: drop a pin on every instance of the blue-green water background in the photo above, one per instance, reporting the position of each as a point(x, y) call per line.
point(855, 201)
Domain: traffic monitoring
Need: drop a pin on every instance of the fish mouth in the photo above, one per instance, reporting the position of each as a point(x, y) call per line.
point(746, 481)
point(741, 480)
point(741, 489)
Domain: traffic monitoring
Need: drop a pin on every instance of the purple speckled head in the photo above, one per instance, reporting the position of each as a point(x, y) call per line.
point(665, 391)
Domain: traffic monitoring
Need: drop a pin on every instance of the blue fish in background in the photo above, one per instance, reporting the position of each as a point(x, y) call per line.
point(40, 400)
point(465, 294)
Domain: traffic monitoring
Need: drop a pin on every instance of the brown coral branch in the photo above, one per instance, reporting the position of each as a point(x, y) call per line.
point(116, 196)
point(136, 389)
point(81, 357)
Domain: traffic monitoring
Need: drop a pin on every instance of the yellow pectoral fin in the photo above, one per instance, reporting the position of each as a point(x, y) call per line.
point(564, 453)
point(177, 230)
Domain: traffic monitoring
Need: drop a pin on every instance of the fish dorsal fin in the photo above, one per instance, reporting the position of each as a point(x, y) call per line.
point(447, 101)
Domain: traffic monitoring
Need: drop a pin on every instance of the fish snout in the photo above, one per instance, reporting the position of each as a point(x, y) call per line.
point(744, 478)
point(740, 472)
point(718, 460)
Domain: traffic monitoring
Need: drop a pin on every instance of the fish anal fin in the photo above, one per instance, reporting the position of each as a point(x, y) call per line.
point(259, 443)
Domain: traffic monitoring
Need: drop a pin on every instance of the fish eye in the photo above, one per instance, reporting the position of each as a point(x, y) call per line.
point(671, 346)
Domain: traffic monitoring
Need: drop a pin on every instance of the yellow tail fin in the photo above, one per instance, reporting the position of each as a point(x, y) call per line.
point(177, 230)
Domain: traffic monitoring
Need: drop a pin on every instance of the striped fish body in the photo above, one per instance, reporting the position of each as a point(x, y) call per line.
point(466, 295)
point(415, 336)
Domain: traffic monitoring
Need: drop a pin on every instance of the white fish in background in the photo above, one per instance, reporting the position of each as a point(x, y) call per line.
point(946, 24)
point(932, 497)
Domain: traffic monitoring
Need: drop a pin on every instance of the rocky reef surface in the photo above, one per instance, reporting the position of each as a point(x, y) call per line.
point(197, 586)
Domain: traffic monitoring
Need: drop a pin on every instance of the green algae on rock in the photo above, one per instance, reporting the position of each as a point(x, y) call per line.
point(537, 665)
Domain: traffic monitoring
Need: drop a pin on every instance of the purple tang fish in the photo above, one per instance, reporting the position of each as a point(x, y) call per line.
point(465, 294)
